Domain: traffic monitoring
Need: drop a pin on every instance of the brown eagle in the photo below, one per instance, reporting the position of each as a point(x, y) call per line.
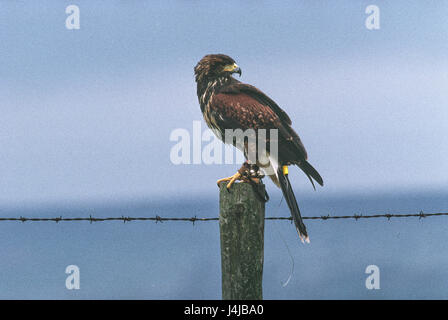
point(227, 103)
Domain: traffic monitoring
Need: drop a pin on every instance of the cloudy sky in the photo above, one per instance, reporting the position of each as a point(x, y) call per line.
point(87, 114)
point(85, 124)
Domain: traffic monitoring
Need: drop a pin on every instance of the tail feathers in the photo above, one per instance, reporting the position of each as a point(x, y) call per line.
point(311, 173)
point(290, 198)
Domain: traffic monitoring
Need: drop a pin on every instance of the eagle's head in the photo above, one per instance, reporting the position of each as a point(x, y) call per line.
point(215, 65)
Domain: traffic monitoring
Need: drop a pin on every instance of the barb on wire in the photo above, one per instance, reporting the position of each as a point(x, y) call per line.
point(157, 218)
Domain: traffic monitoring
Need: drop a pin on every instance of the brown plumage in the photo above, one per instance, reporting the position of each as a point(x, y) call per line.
point(227, 103)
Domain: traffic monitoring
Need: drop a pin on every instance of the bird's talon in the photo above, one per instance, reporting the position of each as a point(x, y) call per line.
point(231, 180)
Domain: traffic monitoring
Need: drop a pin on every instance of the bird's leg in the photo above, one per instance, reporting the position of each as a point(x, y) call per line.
point(254, 173)
point(246, 173)
point(240, 175)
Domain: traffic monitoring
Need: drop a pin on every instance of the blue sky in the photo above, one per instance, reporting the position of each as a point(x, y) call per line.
point(87, 114)
point(86, 117)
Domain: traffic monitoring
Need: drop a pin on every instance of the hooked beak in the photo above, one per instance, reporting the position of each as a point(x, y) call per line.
point(237, 70)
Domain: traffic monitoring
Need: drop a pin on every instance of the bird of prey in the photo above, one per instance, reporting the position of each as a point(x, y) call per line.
point(227, 103)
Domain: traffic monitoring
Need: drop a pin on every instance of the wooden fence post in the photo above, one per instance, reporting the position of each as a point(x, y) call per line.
point(241, 224)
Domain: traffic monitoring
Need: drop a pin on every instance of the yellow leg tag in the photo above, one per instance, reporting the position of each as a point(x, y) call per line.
point(285, 170)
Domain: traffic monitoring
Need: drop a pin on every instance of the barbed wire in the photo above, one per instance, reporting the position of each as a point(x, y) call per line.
point(194, 219)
